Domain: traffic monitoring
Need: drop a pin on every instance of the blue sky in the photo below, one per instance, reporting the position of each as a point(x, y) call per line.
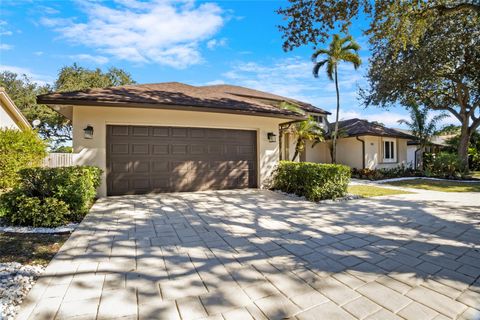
point(196, 42)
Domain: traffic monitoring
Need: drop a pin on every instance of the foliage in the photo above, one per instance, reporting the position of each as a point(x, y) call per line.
point(71, 187)
point(444, 165)
point(398, 22)
point(448, 80)
point(340, 50)
point(385, 173)
point(62, 149)
point(54, 127)
point(303, 131)
point(24, 210)
point(18, 150)
point(308, 130)
point(420, 125)
point(315, 181)
point(73, 78)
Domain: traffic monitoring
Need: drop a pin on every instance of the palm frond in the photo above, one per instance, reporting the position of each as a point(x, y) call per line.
point(317, 67)
point(351, 57)
point(319, 52)
point(330, 68)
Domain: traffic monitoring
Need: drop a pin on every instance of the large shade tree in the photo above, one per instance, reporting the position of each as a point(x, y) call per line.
point(340, 50)
point(54, 127)
point(442, 73)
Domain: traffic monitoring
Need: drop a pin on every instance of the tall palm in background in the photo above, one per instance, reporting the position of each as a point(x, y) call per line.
point(420, 126)
point(340, 49)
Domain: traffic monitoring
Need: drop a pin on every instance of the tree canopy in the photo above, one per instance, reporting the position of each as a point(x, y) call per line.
point(54, 127)
point(399, 22)
point(441, 73)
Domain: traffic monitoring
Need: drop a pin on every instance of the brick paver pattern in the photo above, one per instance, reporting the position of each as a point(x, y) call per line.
point(253, 254)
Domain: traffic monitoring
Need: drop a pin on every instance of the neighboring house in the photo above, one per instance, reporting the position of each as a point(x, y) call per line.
point(176, 137)
point(364, 144)
point(10, 115)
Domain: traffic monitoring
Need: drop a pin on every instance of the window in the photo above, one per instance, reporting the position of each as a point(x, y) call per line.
point(318, 119)
point(389, 151)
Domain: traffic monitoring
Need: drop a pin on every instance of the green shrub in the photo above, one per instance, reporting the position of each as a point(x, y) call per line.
point(68, 191)
point(444, 165)
point(315, 181)
point(18, 150)
point(32, 211)
point(385, 173)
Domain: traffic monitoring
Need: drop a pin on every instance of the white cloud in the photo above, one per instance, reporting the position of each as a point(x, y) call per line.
point(89, 58)
point(4, 46)
point(167, 32)
point(3, 29)
point(38, 53)
point(216, 43)
point(40, 79)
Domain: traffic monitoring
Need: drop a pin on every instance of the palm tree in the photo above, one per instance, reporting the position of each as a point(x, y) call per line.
point(422, 128)
point(305, 130)
point(340, 49)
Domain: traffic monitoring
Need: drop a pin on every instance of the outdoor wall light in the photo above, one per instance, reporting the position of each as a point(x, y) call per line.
point(88, 132)
point(272, 137)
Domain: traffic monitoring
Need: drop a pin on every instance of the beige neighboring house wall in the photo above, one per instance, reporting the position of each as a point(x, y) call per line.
point(10, 115)
point(93, 151)
point(349, 152)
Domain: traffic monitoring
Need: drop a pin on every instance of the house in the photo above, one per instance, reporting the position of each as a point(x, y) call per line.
point(360, 144)
point(176, 137)
point(169, 137)
point(10, 115)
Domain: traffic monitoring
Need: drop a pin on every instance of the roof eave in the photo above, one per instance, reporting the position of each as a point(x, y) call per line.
point(165, 106)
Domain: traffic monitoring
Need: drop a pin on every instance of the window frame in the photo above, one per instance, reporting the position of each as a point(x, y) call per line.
point(392, 142)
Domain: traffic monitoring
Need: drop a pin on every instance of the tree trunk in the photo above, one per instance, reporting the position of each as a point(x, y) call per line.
point(463, 146)
point(335, 131)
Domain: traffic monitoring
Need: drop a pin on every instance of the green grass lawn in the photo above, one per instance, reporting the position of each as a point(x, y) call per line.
point(475, 174)
point(438, 185)
point(30, 248)
point(372, 191)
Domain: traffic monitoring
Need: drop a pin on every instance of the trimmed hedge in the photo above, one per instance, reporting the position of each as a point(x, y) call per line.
point(315, 181)
point(18, 150)
point(50, 197)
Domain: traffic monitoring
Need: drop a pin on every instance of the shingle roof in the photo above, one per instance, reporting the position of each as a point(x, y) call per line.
point(252, 93)
point(359, 127)
point(222, 98)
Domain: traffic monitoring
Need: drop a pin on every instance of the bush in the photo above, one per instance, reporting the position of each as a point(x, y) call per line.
point(313, 180)
point(385, 173)
point(18, 150)
point(32, 211)
point(444, 165)
point(51, 196)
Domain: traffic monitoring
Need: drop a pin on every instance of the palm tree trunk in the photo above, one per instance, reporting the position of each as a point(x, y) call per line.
point(335, 131)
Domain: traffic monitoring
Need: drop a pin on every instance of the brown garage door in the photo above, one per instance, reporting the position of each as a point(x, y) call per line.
point(143, 159)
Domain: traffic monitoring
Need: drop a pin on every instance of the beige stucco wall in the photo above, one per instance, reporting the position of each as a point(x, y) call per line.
point(374, 153)
point(320, 153)
point(349, 152)
point(93, 151)
point(6, 120)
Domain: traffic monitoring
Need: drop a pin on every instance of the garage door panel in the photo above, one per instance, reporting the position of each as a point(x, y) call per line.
point(141, 166)
point(168, 159)
point(160, 149)
point(140, 131)
point(119, 148)
point(139, 148)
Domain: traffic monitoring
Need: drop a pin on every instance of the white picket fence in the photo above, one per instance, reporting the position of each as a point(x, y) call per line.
point(54, 160)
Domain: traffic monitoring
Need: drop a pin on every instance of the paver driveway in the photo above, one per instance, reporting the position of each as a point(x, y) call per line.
point(247, 254)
